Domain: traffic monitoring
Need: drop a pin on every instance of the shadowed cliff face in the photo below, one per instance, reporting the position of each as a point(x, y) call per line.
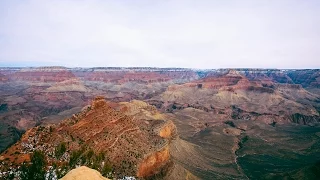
point(307, 78)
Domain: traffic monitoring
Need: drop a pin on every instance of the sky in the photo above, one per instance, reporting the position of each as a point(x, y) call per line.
point(203, 34)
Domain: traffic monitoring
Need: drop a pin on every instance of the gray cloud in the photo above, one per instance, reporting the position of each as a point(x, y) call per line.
point(196, 34)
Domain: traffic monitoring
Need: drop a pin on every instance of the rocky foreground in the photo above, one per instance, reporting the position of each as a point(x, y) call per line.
point(118, 139)
point(83, 173)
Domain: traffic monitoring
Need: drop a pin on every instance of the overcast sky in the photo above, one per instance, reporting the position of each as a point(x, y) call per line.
point(161, 33)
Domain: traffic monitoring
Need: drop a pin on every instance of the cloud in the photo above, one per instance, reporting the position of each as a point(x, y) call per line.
point(195, 34)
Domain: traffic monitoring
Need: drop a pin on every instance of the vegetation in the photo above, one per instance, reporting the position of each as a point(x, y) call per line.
point(50, 129)
point(60, 149)
point(106, 170)
point(75, 157)
point(3, 107)
point(242, 141)
point(273, 124)
point(230, 123)
point(61, 171)
point(88, 158)
point(36, 169)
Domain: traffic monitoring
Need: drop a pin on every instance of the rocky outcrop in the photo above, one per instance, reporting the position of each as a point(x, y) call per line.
point(152, 163)
point(230, 81)
point(124, 132)
point(225, 93)
point(83, 173)
point(168, 130)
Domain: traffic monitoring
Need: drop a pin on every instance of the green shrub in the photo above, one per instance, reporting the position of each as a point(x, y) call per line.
point(90, 153)
point(230, 123)
point(35, 170)
point(51, 129)
point(60, 149)
point(106, 170)
point(74, 157)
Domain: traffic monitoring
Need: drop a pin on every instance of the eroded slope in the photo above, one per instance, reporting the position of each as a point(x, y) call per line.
point(133, 138)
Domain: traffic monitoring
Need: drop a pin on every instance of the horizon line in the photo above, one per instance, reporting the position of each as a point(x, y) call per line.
point(154, 67)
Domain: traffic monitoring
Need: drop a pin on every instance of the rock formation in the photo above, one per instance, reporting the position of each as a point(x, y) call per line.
point(234, 96)
point(42, 74)
point(133, 137)
point(83, 173)
point(206, 124)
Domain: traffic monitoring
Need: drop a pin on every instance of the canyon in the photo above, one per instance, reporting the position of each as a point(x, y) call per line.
point(163, 123)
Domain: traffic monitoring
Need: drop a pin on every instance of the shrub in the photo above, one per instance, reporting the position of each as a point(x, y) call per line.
point(106, 170)
point(60, 149)
point(35, 170)
point(230, 123)
point(51, 129)
point(74, 157)
point(90, 153)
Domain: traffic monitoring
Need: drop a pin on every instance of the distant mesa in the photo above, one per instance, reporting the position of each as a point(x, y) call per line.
point(43, 74)
point(69, 85)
